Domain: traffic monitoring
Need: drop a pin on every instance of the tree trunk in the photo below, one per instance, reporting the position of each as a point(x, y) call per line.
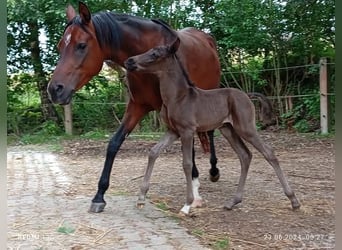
point(48, 110)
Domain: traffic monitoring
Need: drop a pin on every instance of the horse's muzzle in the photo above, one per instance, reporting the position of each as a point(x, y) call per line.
point(59, 94)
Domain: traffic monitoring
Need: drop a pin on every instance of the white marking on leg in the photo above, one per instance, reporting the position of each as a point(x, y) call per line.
point(197, 198)
point(186, 209)
point(195, 187)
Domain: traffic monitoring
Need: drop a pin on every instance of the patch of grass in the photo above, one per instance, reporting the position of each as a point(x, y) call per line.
point(146, 135)
point(221, 244)
point(175, 218)
point(162, 206)
point(95, 135)
point(120, 192)
point(197, 232)
point(66, 229)
point(55, 147)
point(39, 139)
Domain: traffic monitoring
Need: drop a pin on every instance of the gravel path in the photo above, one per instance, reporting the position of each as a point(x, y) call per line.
point(43, 215)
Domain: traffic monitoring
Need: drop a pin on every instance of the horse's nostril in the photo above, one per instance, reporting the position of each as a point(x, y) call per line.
point(59, 87)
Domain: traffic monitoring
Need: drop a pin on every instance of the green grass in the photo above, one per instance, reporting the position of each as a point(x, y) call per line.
point(66, 229)
point(221, 244)
point(198, 232)
point(162, 206)
point(146, 135)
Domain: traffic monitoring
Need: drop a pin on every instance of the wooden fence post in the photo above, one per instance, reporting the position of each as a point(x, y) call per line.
point(323, 83)
point(68, 119)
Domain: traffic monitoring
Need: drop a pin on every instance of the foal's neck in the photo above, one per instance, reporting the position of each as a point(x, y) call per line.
point(174, 82)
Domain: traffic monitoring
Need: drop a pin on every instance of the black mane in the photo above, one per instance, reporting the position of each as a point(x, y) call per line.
point(185, 73)
point(107, 27)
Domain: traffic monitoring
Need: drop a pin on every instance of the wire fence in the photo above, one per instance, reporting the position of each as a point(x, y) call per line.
point(288, 101)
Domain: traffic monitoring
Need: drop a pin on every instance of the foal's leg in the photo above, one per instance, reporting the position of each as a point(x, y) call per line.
point(198, 201)
point(187, 144)
point(251, 135)
point(245, 157)
point(214, 171)
point(164, 142)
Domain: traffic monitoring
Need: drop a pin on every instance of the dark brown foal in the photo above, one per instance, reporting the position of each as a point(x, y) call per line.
point(187, 109)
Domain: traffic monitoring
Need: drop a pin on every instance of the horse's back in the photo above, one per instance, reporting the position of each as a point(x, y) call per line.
point(199, 55)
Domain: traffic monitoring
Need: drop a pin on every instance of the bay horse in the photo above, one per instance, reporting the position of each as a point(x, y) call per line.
point(89, 40)
point(187, 109)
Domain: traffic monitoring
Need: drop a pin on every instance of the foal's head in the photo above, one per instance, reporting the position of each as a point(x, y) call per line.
point(153, 61)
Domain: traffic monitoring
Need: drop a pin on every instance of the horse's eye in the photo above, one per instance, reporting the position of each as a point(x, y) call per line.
point(81, 46)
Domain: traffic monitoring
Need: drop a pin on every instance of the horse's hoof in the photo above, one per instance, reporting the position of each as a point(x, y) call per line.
point(97, 207)
point(214, 175)
point(215, 178)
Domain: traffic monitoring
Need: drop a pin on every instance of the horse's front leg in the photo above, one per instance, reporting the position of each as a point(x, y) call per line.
point(132, 116)
point(164, 142)
point(187, 145)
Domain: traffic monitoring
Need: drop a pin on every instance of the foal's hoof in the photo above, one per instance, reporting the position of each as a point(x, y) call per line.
point(214, 175)
point(230, 204)
point(197, 203)
point(140, 204)
point(185, 210)
point(295, 204)
point(97, 207)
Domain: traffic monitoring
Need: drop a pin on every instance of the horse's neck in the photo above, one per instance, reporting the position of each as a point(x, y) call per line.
point(136, 39)
point(173, 84)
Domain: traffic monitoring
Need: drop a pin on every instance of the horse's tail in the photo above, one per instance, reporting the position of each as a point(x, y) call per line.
point(266, 108)
point(203, 137)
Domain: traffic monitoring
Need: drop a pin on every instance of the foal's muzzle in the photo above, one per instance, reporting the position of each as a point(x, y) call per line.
point(130, 64)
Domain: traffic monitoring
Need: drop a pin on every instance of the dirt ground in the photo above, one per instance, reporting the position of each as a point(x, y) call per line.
point(263, 220)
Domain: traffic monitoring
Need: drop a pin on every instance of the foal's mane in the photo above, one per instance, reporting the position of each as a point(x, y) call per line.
point(184, 72)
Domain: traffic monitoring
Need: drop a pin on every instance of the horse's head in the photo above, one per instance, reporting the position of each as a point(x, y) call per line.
point(81, 56)
point(153, 60)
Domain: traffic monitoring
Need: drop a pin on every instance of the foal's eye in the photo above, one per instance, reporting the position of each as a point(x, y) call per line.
point(154, 55)
point(81, 46)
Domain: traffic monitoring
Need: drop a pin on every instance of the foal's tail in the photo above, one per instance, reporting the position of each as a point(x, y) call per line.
point(266, 108)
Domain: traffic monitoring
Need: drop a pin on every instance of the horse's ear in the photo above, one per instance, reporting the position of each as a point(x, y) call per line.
point(174, 47)
point(70, 12)
point(84, 12)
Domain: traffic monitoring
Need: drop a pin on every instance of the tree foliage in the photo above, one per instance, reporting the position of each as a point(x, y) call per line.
point(259, 43)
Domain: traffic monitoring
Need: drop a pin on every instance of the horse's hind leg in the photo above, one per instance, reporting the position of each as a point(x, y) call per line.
point(245, 157)
point(253, 138)
point(164, 142)
point(214, 171)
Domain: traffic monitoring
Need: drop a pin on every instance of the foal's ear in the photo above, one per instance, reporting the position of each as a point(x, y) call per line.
point(174, 47)
point(84, 12)
point(70, 12)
